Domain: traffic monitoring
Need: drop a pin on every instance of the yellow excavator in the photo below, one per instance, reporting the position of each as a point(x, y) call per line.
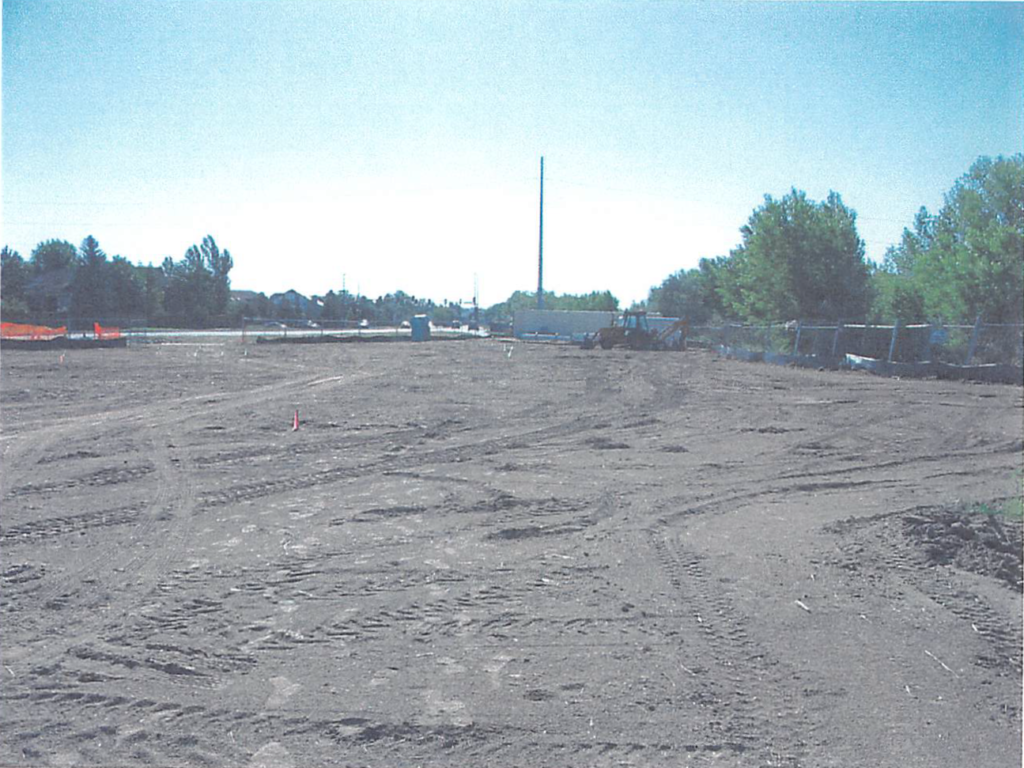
point(633, 331)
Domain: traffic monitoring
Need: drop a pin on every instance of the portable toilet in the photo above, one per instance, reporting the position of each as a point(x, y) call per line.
point(420, 328)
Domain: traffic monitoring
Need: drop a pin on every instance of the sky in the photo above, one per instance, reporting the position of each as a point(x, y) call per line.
point(382, 146)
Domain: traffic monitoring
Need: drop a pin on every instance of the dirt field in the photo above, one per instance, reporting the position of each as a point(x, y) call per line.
point(467, 558)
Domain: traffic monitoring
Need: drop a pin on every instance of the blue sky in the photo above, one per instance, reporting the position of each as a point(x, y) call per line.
point(396, 145)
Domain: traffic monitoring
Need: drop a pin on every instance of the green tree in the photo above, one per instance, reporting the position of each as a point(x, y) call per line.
point(219, 264)
point(442, 314)
point(895, 297)
point(51, 255)
point(344, 307)
point(187, 289)
point(14, 274)
point(691, 293)
point(798, 259)
point(152, 280)
point(393, 308)
point(91, 291)
point(287, 310)
point(259, 306)
point(595, 301)
point(332, 309)
point(967, 260)
point(197, 289)
point(127, 290)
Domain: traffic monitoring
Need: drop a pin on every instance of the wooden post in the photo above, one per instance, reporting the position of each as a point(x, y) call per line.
point(835, 339)
point(796, 342)
point(972, 346)
point(892, 343)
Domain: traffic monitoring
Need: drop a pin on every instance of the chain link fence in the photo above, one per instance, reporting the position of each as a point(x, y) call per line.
point(993, 351)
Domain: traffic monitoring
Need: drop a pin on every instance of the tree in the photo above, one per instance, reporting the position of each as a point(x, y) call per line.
point(443, 314)
point(798, 259)
point(51, 255)
point(198, 288)
point(258, 306)
point(967, 260)
point(332, 309)
point(91, 291)
point(219, 264)
point(185, 300)
point(14, 274)
point(127, 289)
point(152, 280)
point(594, 301)
point(692, 294)
point(894, 297)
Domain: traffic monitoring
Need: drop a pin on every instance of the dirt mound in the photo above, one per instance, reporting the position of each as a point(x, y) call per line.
point(983, 543)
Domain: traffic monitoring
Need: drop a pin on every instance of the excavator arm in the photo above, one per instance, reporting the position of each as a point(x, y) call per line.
point(682, 326)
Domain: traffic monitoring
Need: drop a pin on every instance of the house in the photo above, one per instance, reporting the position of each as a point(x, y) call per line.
point(291, 299)
point(244, 297)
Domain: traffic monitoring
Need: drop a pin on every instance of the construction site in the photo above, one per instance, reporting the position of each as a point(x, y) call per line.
point(495, 552)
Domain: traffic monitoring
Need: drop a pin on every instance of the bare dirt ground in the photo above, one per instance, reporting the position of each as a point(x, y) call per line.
point(553, 558)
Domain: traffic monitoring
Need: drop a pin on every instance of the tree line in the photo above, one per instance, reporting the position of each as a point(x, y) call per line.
point(61, 283)
point(595, 301)
point(800, 259)
point(797, 259)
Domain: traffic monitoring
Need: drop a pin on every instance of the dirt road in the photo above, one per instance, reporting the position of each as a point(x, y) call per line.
point(470, 556)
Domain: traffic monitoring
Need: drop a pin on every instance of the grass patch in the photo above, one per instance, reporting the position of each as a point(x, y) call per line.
point(1012, 509)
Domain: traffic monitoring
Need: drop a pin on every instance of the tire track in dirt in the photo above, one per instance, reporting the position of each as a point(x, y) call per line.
point(103, 477)
point(64, 669)
point(52, 527)
point(444, 455)
point(22, 450)
point(121, 573)
point(747, 688)
point(111, 556)
point(873, 554)
point(114, 728)
point(173, 499)
point(404, 605)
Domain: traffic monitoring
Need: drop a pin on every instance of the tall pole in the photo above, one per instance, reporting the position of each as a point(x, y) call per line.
point(476, 299)
point(540, 248)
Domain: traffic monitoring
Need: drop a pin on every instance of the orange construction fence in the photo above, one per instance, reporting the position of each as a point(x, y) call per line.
point(106, 333)
point(24, 331)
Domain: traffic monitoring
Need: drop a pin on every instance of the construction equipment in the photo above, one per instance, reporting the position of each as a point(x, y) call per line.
point(674, 336)
point(633, 331)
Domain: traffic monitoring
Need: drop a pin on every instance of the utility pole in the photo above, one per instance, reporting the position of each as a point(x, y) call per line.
point(540, 248)
point(476, 300)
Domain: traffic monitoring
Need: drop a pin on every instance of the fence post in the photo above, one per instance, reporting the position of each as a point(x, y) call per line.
point(892, 343)
point(796, 342)
point(835, 339)
point(974, 341)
